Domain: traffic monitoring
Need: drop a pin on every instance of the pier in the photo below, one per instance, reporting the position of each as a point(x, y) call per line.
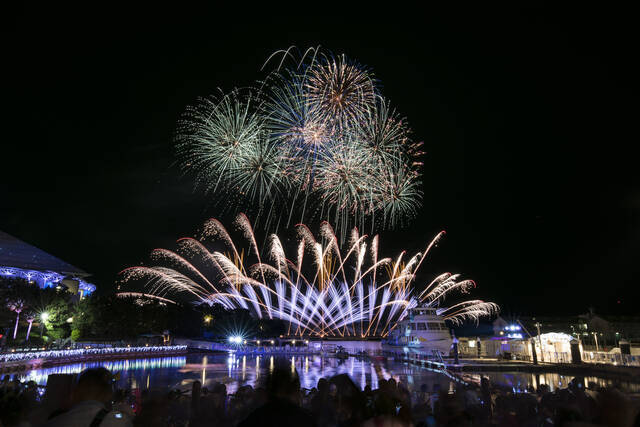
point(497, 365)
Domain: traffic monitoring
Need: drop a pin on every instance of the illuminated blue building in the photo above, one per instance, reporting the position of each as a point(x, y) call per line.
point(21, 260)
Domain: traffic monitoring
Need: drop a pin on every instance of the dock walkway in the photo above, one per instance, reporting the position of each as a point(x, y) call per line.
point(496, 365)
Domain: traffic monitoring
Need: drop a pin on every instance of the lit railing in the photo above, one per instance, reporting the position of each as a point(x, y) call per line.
point(556, 357)
point(610, 358)
point(88, 352)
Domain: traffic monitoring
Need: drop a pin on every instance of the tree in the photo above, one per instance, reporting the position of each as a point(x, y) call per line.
point(19, 296)
point(111, 317)
point(16, 305)
point(30, 316)
point(57, 325)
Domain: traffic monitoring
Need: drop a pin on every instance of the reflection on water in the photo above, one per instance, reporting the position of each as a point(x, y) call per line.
point(519, 381)
point(236, 370)
point(133, 372)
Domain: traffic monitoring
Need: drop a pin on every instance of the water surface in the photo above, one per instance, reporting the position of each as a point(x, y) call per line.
point(237, 370)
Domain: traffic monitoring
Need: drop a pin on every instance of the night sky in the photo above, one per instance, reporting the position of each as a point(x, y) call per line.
point(526, 117)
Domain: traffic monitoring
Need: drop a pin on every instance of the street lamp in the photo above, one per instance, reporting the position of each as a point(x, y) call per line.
point(540, 341)
point(43, 318)
point(595, 336)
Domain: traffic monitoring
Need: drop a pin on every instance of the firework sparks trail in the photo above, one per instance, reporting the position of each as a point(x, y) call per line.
point(315, 140)
point(330, 295)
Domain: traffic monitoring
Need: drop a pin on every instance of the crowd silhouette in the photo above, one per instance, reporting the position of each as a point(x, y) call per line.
point(92, 400)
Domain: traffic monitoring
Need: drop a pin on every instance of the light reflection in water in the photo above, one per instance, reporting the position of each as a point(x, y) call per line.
point(519, 381)
point(180, 372)
point(204, 369)
point(128, 368)
point(257, 366)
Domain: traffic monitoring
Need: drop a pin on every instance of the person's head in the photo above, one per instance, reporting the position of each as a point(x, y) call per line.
point(423, 388)
point(154, 409)
point(323, 385)
point(12, 409)
point(94, 384)
point(218, 395)
point(333, 390)
point(220, 388)
point(544, 388)
point(615, 409)
point(349, 399)
point(283, 384)
point(567, 415)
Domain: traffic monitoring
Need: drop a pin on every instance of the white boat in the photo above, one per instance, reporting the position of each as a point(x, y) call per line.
point(421, 331)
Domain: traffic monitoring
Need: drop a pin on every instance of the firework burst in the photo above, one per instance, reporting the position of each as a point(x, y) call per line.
point(222, 141)
point(340, 91)
point(314, 141)
point(321, 292)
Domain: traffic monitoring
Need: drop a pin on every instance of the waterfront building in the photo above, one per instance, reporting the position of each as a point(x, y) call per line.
point(598, 339)
point(595, 331)
point(20, 260)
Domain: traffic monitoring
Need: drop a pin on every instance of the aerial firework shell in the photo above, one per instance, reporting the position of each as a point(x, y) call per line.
point(223, 140)
point(314, 141)
point(385, 137)
point(290, 118)
point(385, 134)
point(295, 128)
point(214, 134)
point(346, 183)
point(339, 90)
point(400, 197)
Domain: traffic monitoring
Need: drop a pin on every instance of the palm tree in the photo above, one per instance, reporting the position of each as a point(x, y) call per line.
point(16, 305)
point(30, 316)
